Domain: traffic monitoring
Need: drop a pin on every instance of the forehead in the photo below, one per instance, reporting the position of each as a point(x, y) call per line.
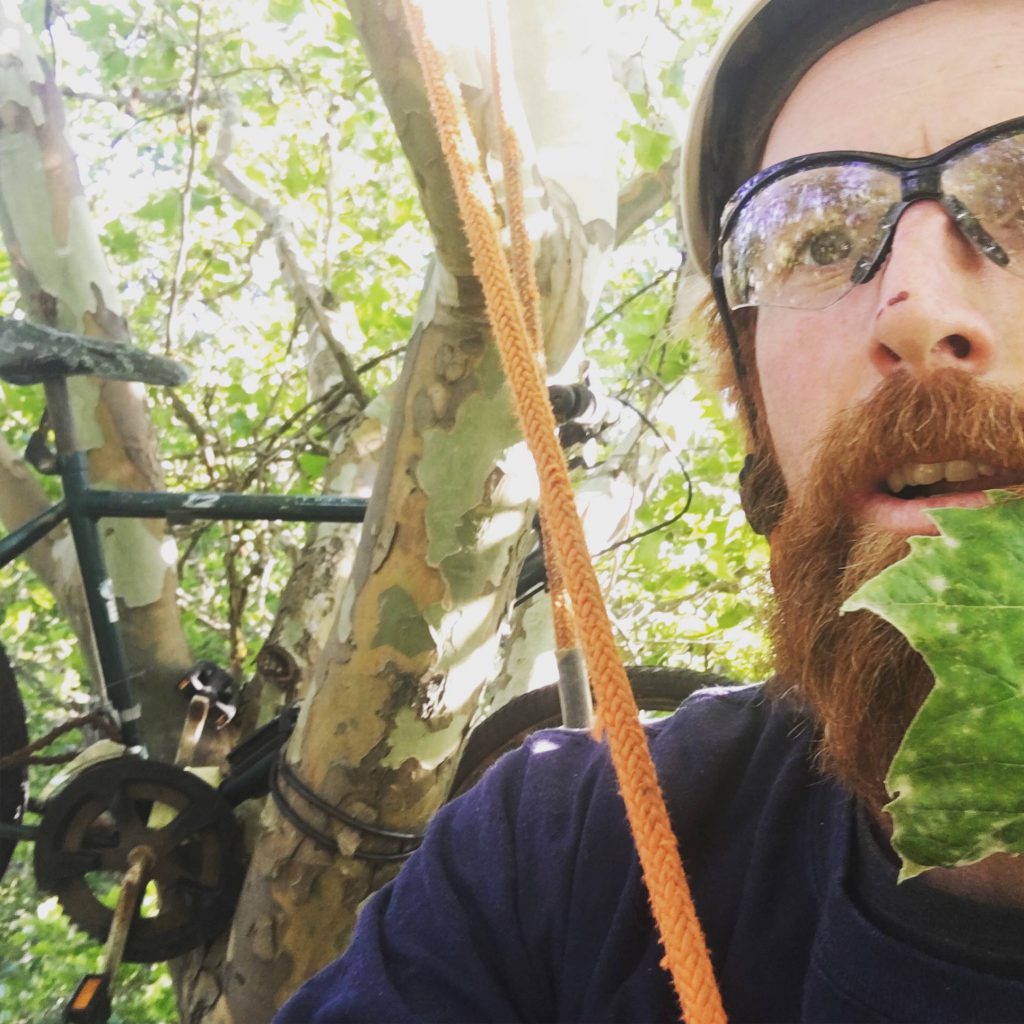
point(911, 84)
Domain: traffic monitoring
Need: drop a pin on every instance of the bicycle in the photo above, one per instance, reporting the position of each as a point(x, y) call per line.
point(116, 812)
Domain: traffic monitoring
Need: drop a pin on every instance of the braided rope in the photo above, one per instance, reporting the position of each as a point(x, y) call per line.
point(525, 277)
point(686, 957)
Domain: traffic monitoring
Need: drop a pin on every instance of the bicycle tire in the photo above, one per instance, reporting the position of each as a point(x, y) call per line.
point(656, 689)
point(13, 736)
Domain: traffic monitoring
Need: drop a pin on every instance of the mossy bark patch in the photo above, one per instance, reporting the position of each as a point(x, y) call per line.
point(402, 624)
point(456, 465)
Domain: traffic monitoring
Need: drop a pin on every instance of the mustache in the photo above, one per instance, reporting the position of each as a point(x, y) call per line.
point(948, 414)
point(855, 673)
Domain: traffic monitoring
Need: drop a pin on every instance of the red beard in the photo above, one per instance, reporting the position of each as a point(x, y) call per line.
point(855, 674)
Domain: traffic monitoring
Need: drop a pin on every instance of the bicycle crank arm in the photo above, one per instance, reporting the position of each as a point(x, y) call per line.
point(92, 1000)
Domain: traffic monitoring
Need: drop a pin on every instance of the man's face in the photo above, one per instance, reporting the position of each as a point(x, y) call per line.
point(906, 87)
point(920, 371)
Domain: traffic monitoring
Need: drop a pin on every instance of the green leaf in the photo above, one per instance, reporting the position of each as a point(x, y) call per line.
point(958, 598)
point(116, 63)
point(312, 465)
point(284, 10)
point(652, 148)
point(296, 176)
point(34, 13)
point(166, 209)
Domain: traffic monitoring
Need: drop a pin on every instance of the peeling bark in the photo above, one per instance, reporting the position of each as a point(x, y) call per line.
point(52, 559)
point(309, 601)
point(417, 634)
point(65, 283)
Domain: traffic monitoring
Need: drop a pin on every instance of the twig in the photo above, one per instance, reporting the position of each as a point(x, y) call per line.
point(99, 719)
point(185, 414)
point(304, 291)
point(665, 523)
point(186, 191)
point(383, 357)
point(653, 283)
point(660, 15)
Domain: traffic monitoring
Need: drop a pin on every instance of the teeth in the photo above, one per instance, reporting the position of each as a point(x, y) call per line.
point(956, 472)
point(920, 474)
point(896, 481)
point(926, 473)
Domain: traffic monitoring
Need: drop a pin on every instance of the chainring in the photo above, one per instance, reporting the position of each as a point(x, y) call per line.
point(89, 827)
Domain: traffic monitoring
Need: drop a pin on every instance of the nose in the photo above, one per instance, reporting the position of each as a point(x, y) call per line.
point(926, 316)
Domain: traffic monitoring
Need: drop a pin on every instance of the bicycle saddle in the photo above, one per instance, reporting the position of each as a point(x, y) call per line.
point(32, 354)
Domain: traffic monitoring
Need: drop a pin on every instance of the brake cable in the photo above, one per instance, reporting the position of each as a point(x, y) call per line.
point(512, 304)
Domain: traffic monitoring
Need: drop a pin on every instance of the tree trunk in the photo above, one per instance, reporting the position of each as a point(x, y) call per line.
point(418, 632)
point(64, 282)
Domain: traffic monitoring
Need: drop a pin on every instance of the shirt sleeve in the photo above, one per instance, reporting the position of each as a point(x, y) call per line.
point(467, 930)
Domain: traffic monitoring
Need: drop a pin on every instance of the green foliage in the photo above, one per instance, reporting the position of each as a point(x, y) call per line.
point(42, 960)
point(150, 89)
point(958, 773)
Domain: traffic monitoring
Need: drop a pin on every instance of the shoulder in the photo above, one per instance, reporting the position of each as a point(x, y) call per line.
point(723, 744)
point(714, 729)
point(724, 733)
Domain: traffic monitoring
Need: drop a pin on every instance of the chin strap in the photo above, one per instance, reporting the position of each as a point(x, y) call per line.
point(762, 492)
point(511, 303)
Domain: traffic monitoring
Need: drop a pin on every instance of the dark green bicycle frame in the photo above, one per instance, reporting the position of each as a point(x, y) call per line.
point(83, 506)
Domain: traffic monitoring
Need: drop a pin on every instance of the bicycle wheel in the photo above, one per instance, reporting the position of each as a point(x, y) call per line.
point(656, 689)
point(13, 736)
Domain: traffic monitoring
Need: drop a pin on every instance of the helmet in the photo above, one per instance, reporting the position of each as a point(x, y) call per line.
point(760, 56)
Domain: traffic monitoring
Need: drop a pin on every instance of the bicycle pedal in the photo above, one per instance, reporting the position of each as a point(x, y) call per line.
point(208, 679)
point(90, 1003)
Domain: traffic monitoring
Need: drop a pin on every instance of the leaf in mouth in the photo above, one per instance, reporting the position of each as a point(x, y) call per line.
point(958, 598)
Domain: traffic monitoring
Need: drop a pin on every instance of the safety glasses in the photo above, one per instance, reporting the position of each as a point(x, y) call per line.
point(804, 232)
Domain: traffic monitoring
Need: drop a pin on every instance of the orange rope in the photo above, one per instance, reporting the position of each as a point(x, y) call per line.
point(525, 277)
point(686, 956)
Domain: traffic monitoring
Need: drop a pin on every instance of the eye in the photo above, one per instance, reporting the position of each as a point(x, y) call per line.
point(828, 247)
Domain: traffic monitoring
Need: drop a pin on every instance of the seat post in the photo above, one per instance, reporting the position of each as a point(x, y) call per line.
point(99, 590)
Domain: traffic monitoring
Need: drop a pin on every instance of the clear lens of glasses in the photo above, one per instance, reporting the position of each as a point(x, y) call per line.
point(807, 239)
point(800, 241)
point(988, 181)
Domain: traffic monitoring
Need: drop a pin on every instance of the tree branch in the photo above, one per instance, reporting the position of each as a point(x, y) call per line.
point(644, 196)
point(615, 310)
point(186, 189)
point(304, 290)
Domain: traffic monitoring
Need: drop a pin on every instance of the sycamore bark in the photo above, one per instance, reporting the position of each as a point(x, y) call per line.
point(417, 634)
point(64, 282)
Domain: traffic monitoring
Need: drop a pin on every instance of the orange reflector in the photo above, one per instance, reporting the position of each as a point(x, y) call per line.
point(91, 1002)
point(89, 987)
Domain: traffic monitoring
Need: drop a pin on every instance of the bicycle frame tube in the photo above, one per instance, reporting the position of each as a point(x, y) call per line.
point(20, 540)
point(83, 506)
point(99, 590)
point(186, 507)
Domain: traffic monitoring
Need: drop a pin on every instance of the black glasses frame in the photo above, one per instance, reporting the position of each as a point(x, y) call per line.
point(920, 179)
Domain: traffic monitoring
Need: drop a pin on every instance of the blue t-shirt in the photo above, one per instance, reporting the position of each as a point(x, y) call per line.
point(525, 902)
